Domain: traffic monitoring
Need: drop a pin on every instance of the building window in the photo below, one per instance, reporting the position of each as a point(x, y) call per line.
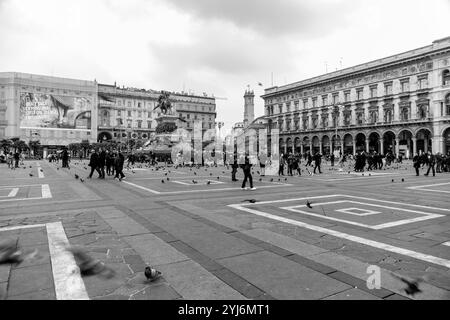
point(447, 104)
point(129, 123)
point(388, 88)
point(139, 124)
point(119, 102)
point(188, 116)
point(360, 118)
point(405, 86)
point(119, 113)
point(373, 92)
point(347, 96)
point(129, 104)
point(422, 112)
point(446, 77)
point(359, 94)
point(404, 114)
point(388, 116)
point(139, 104)
point(296, 105)
point(119, 122)
point(373, 116)
point(314, 101)
point(324, 101)
point(129, 113)
point(305, 104)
point(335, 99)
point(423, 82)
point(149, 124)
point(140, 114)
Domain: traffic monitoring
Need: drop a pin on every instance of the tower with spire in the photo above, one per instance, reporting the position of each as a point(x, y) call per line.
point(249, 107)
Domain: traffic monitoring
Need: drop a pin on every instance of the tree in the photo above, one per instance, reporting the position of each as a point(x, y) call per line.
point(34, 145)
point(6, 145)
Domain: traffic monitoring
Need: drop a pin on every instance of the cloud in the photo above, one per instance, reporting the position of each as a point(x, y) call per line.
point(308, 18)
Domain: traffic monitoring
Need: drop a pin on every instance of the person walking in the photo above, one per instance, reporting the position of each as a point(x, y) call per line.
point(119, 161)
point(93, 163)
point(317, 162)
point(102, 162)
point(281, 168)
point(247, 168)
point(16, 159)
point(262, 163)
point(65, 159)
point(416, 163)
point(234, 167)
point(431, 163)
point(332, 159)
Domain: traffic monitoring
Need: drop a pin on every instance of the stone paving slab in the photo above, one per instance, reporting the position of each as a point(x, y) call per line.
point(282, 278)
point(30, 279)
point(352, 294)
point(153, 250)
point(195, 283)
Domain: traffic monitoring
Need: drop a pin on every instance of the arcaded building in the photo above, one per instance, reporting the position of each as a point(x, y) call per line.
point(399, 103)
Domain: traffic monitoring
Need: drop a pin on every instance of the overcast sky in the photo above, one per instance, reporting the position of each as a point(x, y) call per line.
point(213, 46)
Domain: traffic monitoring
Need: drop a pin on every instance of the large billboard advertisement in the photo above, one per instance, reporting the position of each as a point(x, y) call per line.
point(40, 111)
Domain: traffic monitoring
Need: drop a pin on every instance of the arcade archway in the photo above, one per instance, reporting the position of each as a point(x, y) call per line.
point(446, 138)
point(348, 144)
point(104, 136)
point(423, 141)
point(374, 142)
point(405, 147)
point(360, 142)
point(315, 144)
point(306, 146)
point(326, 146)
point(388, 142)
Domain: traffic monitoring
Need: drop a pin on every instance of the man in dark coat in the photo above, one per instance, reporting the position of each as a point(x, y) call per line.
point(416, 163)
point(102, 162)
point(431, 163)
point(93, 163)
point(234, 167)
point(247, 168)
point(65, 159)
point(120, 159)
point(317, 162)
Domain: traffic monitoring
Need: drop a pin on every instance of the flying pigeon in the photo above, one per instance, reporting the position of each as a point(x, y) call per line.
point(308, 204)
point(82, 180)
point(89, 265)
point(250, 200)
point(257, 172)
point(412, 286)
point(152, 274)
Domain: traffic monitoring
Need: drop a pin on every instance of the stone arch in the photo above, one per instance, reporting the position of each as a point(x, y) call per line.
point(388, 141)
point(281, 146)
point(104, 136)
point(297, 144)
point(348, 143)
point(423, 136)
point(445, 77)
point(360, 141)
point(374, 141)
point(306, 144)
point(326, 144)
point(289, 145)
point(446, 140)
point(405, 147)
point(315, 144)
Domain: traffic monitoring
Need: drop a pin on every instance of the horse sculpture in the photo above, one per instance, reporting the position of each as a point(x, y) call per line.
point(164, 103)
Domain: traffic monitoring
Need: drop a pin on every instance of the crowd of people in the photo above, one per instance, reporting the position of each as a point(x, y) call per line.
point(113, 161)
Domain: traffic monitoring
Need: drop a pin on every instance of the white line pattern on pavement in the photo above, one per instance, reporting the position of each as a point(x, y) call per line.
point(68, 282)
point(368, 242)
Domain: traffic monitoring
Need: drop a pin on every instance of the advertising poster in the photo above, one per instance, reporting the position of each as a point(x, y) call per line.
point(52, 111)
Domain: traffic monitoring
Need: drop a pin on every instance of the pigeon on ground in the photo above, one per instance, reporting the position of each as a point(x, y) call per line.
point(260, 179)
point(271, 180)
point(195, 173)
point(82, 180)
point(165, 174)
point(209, 182)
point(249, 200)
point(152, 274)
point(88, 265)
point(285, 179)
point(308, 204)
point(162, 181)
point(412, 286)
point(168, 178)
point(85, 168)
point(218, 178)
point(403, 180)
point(210, 173)
point(257, 172)
point(31, 167)
point(57, 168)
point(31, 174)
point(194, 182)
point(392, 180)
point(279, 179)
point(77, 176)
point(9, 252)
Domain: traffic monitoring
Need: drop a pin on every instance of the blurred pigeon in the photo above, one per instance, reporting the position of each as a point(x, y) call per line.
point(133, 171)
point(168, 178)
point(250, 200)
point(88, 265)
point(152, 274)
point(85, 168)
point(308, 204)
point(271, 180)
point(165, 174)
point(210, 173)
point(285, 179)
point(279, 179)
point(76, 176)
point(57, 168)
point(81, 179)
point(41, 170)
point(412, 286)
point(218, 178)
point(31, 167)
point(195, 173)
point(9, 252)
point(194, 182)
point(257, 172)
point(392, 180)
point(209, 182)
point(403, 180)
point(162, 181)
point(31, 174)
point(260, 179)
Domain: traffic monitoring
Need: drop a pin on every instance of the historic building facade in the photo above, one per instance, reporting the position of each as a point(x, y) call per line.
point(399, 103)
point(59, 111)
point(127, 113)
point(54, 111)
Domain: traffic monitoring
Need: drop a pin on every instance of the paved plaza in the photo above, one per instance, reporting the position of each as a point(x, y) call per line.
point(210, 243)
